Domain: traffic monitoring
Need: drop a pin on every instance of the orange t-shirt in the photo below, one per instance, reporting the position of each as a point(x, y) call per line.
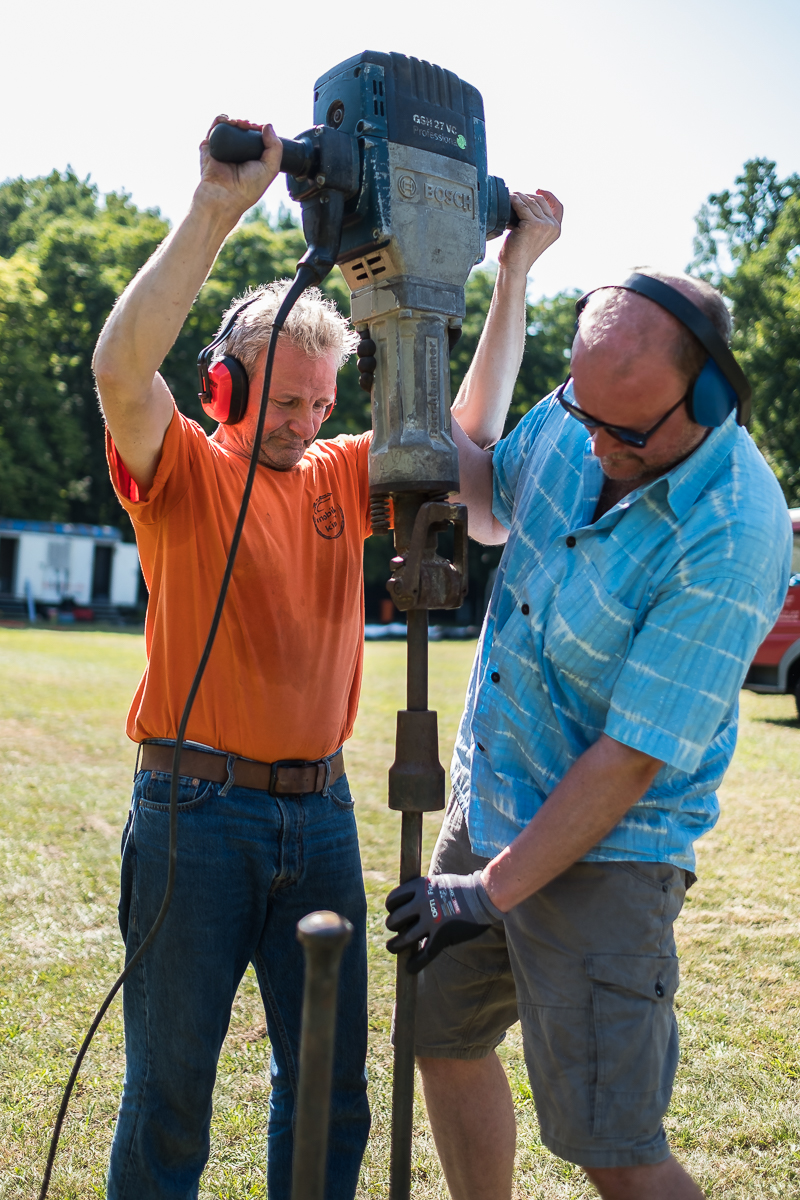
point(284, 675)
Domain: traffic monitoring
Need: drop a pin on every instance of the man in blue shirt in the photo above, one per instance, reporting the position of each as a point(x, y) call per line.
point(647, 556)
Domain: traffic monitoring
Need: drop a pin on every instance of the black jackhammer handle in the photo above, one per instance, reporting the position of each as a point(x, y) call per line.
point(229, 143)
point(323, 936)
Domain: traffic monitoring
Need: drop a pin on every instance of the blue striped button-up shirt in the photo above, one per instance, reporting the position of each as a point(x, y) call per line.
point(641, 625)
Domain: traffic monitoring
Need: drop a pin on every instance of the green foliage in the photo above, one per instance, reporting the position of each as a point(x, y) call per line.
point(548, 347)
point(759, 225)
point(28, 205)
point(743, 220)
point(765, 290)
point(65, 258)
point(545, 363)
point(41, 447)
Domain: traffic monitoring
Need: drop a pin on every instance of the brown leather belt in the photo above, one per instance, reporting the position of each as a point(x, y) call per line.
point(290, 777)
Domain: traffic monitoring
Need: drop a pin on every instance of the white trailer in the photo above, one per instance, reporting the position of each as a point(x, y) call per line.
point(125, 575)
point(50, 563)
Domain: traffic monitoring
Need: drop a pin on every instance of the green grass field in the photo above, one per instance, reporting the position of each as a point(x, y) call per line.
point(66, 766)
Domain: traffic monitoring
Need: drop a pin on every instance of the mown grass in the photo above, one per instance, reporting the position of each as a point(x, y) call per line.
point(66, 768)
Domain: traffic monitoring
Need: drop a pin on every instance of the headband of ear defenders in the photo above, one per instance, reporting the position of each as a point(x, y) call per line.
point(696, 322)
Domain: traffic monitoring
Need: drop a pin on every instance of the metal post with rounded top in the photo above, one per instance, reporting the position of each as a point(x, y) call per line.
point(323, 936)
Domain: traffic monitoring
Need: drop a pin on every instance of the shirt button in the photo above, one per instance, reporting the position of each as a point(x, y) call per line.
point(495, 677)
point(570, 541)
point(525, 609)
point(481, 748)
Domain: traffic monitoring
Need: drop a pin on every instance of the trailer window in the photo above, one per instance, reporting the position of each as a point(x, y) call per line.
point(796, 555)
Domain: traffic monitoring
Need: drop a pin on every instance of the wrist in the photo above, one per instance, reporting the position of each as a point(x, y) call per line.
point(216, 207)
point(487, 905)
point(492, 878)
point(512, 275)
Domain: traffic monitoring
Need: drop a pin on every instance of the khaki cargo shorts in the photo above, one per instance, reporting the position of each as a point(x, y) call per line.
point(588, 967)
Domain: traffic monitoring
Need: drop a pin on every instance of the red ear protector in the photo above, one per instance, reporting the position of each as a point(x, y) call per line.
point(225, 385)
point(229, 386)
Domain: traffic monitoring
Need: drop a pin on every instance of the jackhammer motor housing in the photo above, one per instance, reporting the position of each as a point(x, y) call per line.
point(393, 184)
point(424, 210)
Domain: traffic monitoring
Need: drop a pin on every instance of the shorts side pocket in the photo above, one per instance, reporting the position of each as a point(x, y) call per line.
point(636, 1038)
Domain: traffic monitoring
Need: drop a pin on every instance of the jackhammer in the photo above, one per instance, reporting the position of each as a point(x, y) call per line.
point(394, 188)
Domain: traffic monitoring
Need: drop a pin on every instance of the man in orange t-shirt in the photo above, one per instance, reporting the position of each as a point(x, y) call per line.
point(262, 841)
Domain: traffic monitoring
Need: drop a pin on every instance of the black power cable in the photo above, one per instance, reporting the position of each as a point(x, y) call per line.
point(305, 276)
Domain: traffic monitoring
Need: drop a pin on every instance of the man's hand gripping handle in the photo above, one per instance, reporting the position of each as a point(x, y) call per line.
point(442, 910)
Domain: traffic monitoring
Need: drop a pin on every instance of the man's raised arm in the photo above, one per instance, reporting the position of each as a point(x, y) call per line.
point(149, 314)
point(480, 408)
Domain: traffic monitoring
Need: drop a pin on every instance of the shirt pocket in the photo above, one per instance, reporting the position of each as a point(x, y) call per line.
point(588, 632)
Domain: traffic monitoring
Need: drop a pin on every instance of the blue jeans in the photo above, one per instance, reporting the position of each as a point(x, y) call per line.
point(250, 865)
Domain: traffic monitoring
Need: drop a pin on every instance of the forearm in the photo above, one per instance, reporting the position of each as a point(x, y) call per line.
point(594, 795)
point(151, 311)
point(483, 400)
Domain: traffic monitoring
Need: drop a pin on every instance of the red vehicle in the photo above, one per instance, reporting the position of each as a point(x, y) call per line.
point(776, 666)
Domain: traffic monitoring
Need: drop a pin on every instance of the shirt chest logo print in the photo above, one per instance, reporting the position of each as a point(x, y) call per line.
point(328, 517)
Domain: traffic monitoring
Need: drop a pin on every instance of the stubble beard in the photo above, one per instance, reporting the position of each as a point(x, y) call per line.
point(643, 473)
point(637, 472)
point(278, 456)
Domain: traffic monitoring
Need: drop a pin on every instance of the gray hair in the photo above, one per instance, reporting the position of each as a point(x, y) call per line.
point(314, 325)
point(687, 353)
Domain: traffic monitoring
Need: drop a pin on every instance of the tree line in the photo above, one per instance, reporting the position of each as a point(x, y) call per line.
point(748, 245)
point(66, 253)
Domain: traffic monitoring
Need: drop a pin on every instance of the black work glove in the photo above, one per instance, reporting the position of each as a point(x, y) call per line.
point(442, 909)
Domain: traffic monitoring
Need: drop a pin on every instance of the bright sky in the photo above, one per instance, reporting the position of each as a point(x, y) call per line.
point(631, 111)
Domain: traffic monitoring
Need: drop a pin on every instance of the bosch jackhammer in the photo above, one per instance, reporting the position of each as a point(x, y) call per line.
point(394, 188)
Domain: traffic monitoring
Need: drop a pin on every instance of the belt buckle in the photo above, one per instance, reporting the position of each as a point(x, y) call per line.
point(294, 762)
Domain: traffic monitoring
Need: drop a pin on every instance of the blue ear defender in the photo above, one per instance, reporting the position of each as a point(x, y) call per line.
point(712, 399)
point(721, 387)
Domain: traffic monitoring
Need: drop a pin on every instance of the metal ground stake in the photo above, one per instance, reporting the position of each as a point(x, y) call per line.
point(323, 936)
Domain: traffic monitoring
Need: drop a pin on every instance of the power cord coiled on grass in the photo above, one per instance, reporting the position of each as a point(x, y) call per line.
point(305, 276)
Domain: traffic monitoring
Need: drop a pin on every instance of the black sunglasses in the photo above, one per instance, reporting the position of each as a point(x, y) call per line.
point(629, 437)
